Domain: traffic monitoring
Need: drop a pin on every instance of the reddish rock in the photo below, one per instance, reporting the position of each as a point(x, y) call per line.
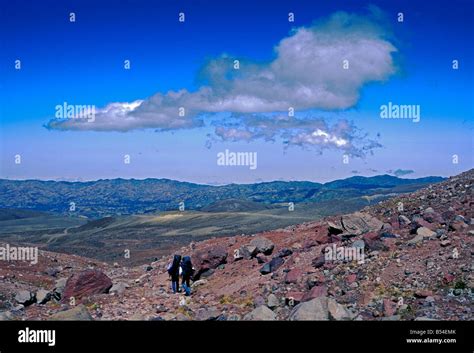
point(208, 259)
point(315, 292)
point(448, 278)
point(458, 225)
point(309, 243)
point(423, 293)
point(366, 298)
point(390, 243)
point(322, 238)
point(296, 296)
point(294, 275)
point(420, 222)
point(371, 236)
point(319, 261)
point(86, 283)
point(433, 217)
point(351, 278)
point(389, 307)
point(394, 222)
point(376, 244)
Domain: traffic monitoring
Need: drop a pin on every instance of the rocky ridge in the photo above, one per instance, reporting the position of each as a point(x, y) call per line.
point(415, 262)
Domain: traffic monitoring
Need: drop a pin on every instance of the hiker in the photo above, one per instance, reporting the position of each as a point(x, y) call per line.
point(188, 271)
point(174, 270)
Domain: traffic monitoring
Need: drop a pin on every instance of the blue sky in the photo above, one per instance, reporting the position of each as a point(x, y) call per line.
point(407, 63)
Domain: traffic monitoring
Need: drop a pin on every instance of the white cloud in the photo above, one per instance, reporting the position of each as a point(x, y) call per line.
point(306, 73)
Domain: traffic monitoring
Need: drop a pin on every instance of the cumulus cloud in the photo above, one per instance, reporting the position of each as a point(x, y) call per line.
point(307, 72)
point(309, 132)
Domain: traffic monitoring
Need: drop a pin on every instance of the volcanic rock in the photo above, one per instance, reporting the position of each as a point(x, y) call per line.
point(208, 258)
point(86, 283)
point(263, 245)
point(271, 266)
point(262, 313)
point(79, 313)
point(316, 309)
point(25, 297)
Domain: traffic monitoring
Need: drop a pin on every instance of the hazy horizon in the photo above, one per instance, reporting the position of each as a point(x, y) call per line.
point(257, 182)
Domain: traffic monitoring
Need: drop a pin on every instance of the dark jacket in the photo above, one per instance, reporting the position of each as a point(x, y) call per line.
point(187, 267)
point(173, 271)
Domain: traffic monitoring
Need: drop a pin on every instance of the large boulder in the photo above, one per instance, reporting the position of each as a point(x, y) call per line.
point(207, 314)
point(86, 283)
point(248, 251)
point(262, 313)
point(59, 288)
point(208, 259)
point(294, 275)
point(272, 301)
point(43, 296)
point(285, 252)
point(403, 220)
point(316, 309)
point(263, 245)
point(272, 266)
point(119, 288)
point(354, 224)
point(79, 313)
point(315, 292)
point(25, 297)
point(425, 232)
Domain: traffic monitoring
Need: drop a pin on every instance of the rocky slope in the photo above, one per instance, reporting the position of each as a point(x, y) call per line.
point(413, 261)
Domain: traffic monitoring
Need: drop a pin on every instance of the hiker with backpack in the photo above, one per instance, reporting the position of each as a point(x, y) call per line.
point(174, 270)
point(187, 272)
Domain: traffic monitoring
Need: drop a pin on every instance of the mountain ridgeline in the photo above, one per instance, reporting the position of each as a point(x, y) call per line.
point(101, 198)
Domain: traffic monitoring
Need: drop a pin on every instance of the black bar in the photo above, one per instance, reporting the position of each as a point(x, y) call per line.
point(161, 336)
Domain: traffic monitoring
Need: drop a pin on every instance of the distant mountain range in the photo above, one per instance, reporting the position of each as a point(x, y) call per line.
point(101, 198)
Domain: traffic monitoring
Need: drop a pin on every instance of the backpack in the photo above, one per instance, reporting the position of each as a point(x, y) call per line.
point(187, 266)
point(173, 268)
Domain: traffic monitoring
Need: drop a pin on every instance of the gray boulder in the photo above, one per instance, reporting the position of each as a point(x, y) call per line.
point(79, 313)
point(207, 314)
point(119, 288)
point(263, 245)
point(25, 297)
point(425, 232)
point(272, 301)
point(262, 313)
point(43, 296)
point(59, 288)
point(316, 309)
point(354, 224)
